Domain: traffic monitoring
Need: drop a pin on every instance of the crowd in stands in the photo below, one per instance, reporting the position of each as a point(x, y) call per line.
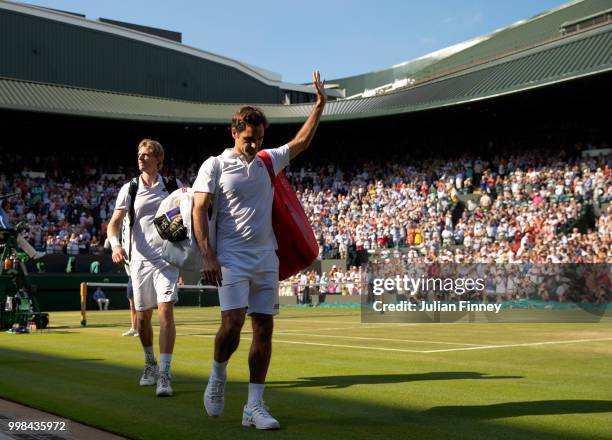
point(524, 207)
point(66, 201)
point(591, 283)
point(352, 281)
point(530, 206)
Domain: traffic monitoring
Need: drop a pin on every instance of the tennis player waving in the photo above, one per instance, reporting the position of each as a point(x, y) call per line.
point(243, 263)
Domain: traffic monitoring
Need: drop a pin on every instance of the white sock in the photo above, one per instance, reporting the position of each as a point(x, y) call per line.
point(255, 393)
point(166, 359)
point(149, 355)
point(219, 370)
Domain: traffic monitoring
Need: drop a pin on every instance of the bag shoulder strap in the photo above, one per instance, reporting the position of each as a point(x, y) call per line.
point(170, 184)
point(132, 191)
point(267, 160)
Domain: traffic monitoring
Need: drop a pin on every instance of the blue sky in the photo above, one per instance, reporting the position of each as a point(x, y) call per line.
point(338, 37)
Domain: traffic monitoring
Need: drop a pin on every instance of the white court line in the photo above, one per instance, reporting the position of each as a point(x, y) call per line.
point(364, 338)
point(362, 326)
point(379, 324)
point(324, 329)
point(378, 339)
point(402, 350)
point(527, 344)
point(329, 345)
point(307, 328)
point(298, 320)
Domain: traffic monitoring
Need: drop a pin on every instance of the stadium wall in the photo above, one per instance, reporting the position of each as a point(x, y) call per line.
point(60, 292)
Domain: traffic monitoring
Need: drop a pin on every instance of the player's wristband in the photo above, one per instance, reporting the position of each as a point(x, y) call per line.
point(114, 241)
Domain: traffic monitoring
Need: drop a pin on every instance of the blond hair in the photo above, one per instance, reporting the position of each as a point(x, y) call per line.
point(156, 148)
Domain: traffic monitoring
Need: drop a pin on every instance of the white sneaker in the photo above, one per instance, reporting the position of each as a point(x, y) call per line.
point(164, 389)
point(131, 332)
point(259, 417)
point(38, 255)
point(149, 375)
point(214, 396)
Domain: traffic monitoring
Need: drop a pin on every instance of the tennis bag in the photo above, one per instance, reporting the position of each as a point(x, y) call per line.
point(173, 224)
point(297, 245)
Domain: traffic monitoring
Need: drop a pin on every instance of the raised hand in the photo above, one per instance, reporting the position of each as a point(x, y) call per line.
point(319, 87)
point(302, 139)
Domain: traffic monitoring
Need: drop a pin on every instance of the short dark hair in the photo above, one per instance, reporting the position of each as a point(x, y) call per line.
point(248, 115)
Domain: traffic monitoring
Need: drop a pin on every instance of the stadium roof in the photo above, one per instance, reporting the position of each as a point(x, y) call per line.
point(119, 29)
point(523, 34)
point(575, 56)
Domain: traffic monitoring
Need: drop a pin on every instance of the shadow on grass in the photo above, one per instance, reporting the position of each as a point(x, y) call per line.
point(332, 382)
point(106, 395)
point(517, 409)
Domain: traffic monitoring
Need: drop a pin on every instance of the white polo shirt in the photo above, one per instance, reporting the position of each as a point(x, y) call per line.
point(146, 242)
point(244, 213)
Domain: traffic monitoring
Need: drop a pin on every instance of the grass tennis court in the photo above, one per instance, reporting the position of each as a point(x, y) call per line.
point(331, 377)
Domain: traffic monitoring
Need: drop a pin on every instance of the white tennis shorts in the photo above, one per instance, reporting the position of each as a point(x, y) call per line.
point(250, 280)
point(153, 282)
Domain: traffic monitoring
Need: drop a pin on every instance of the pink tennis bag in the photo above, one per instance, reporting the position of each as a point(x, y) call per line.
point(297, 245)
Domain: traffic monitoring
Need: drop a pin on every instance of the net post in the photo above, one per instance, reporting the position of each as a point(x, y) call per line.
point(83, 304)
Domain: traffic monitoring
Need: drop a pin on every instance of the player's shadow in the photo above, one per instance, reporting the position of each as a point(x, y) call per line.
point(332, 382)
point(517, 409)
